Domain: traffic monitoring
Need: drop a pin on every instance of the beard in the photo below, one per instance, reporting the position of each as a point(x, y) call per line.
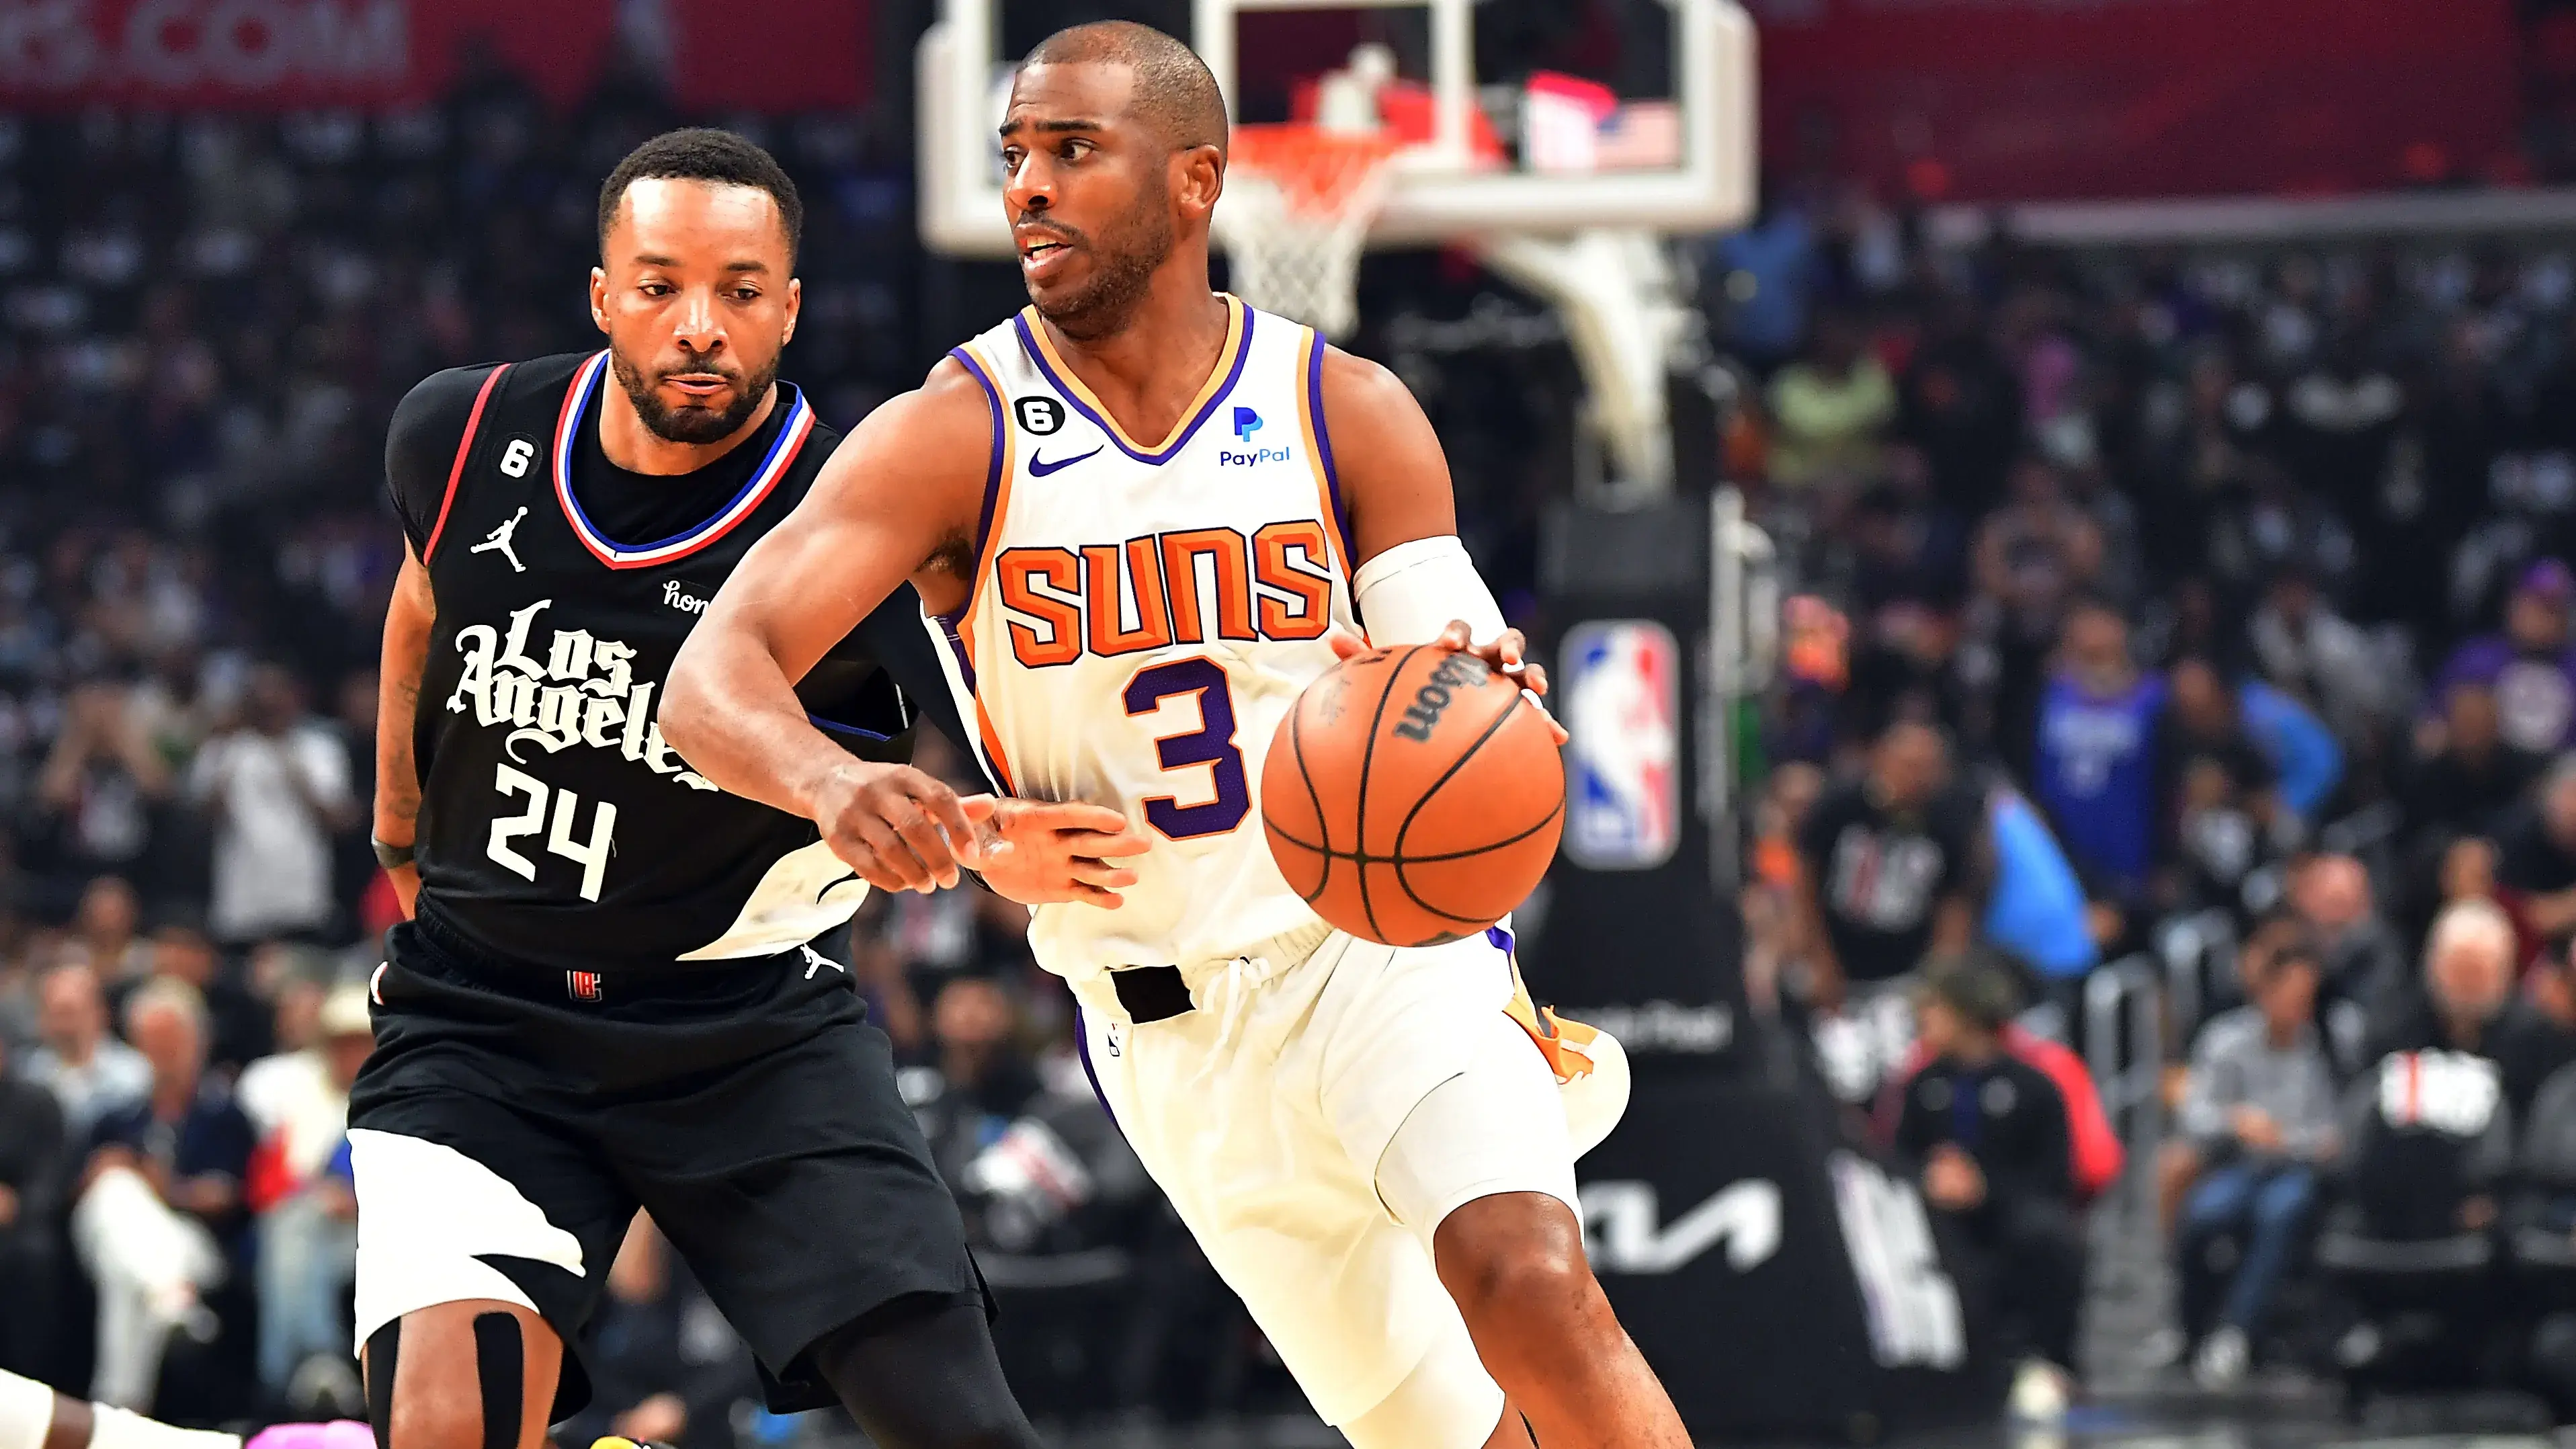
point(1123, 266)
point(694, 424)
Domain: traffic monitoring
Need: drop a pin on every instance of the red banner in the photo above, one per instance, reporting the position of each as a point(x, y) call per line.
point(2059, 99)
point(287, 54)
point(771, 55)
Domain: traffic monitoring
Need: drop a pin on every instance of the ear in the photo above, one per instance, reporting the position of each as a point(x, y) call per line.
point(599, 298)
point(795, 307)
point(1198, 179)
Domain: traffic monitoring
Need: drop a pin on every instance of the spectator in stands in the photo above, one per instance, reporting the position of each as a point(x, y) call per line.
point(1830, 410)
point(2466, 1004)
point(1908, 576)
point(1769, 269)
point(1893, 866)
point(2317, 656)
point(2094, 761)
point(2539, 853)
point(2339, 418)
point(2468, 872)
point(2472, 778)
point(2031, 559)
point(665, 1367)
point(2297, 743)
point(2531, 666)
point(1774, 926)
point(296, 1033)
point(1988, 1134)
point(2035, 912)
point(104, 925)
point(2540, 1218)
point(1961, 404)
point(2217, 844)
point(90, 1073)
point(2259, 1114)
point(1035, 1163)
point(240, 1025)
point(984, 1078)
point(34, 1156)
point(2549, 992)
point(2217, 800)
point(101, 787)
point(277, 785)
point(307, 1206)
point(159, 1214)
point(2428, 1129)
point(2179, 1161)
point(2366, 965)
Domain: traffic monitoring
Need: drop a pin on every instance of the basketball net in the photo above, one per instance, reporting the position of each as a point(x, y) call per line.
point(1299, 202)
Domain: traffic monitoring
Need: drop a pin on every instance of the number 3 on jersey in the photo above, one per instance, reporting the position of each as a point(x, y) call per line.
point(591, 857)
point(1211, 746)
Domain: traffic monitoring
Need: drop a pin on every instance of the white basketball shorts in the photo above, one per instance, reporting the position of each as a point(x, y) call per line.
point(1267, 1114)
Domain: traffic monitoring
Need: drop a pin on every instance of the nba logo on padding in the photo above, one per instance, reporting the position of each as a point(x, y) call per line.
point(1622, 706)
point(1246, 423)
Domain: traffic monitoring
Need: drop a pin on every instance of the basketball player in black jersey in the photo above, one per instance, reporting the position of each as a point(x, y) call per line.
point(606, 998)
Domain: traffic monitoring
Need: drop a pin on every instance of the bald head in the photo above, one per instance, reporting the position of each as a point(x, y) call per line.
point(1175, 92)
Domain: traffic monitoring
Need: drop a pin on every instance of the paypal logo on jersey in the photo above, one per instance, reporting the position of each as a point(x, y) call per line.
point(1246, 423)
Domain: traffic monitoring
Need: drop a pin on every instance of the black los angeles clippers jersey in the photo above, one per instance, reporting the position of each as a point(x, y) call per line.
point(556, 827)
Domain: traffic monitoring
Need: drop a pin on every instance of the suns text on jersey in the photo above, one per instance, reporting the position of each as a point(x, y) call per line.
point(1161, 589)
point(583, 692)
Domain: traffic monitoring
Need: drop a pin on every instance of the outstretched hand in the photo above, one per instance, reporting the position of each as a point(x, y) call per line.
point(1505, 655)
point(1050, 853)
point(899, 828)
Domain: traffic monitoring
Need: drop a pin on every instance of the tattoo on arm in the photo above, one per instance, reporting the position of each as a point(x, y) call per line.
point(402, 801)
point(408, 624)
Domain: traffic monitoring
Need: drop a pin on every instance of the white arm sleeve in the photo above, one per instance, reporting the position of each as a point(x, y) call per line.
point(1409, 593)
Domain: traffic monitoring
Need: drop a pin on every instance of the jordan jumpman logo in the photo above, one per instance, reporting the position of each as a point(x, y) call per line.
point(500, 539)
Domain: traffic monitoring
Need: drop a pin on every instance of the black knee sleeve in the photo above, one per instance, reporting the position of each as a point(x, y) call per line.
point(382, 1347)
point(921, 1373)
point(500, 1375)
point(501, 1370)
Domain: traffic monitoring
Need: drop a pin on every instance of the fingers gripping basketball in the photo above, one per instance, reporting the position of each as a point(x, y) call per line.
point(1413, 796)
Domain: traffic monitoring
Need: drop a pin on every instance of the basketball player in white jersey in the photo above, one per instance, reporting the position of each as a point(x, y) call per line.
point(1144, 517)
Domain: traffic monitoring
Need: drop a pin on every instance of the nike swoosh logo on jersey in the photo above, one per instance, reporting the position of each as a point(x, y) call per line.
point(835, 883)
point(1040, 467)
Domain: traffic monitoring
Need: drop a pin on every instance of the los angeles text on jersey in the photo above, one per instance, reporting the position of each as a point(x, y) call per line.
point(583, 692)
point(1162, 589)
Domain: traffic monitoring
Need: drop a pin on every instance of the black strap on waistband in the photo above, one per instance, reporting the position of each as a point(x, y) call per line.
point(1152, 993)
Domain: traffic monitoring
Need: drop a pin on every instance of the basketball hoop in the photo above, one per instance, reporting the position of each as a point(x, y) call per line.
point(1298, 206)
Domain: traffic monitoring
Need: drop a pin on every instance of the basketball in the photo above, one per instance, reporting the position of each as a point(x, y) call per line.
point(1413, 796)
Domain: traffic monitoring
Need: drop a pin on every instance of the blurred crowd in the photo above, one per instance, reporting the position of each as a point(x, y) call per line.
point(2202, 617)
point(2210, 609)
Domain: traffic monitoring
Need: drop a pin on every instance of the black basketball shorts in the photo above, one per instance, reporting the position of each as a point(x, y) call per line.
point(512, 1119)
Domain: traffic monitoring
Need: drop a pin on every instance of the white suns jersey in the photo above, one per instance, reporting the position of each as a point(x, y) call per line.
point(1143, 618)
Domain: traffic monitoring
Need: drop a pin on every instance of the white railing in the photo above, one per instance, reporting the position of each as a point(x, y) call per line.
point(2124, 1043)
point(1743, 649)
point(2199, 952)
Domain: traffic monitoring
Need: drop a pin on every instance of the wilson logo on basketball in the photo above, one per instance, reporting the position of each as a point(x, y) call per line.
point(1458, 671)
point(1432, 842)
